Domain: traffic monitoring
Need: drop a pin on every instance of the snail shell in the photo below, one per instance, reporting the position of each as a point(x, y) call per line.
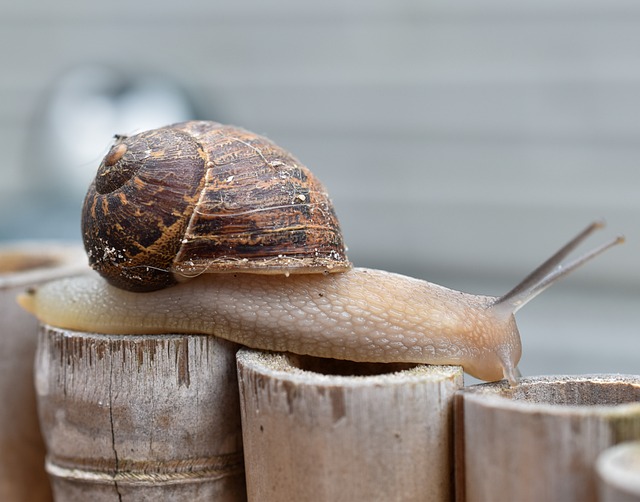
point(198, 196)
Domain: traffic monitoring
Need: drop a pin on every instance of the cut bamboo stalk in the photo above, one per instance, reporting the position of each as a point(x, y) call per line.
point(22, 451)
point(153, 417)
point(325, 430)
point(540, 440)
point(619, 473)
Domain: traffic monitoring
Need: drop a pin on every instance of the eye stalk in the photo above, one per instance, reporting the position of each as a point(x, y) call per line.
point(553, 270)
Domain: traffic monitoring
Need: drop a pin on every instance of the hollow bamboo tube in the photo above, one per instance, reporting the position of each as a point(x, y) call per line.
point(619, 473)
point(22, 451)
point(540, 440)
point(153, 417)
point(325, 430)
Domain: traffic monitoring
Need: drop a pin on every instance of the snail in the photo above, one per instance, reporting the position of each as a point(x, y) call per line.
point(204, 228)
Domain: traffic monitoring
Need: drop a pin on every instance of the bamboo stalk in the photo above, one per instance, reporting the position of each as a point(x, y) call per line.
point(152, 417)
point(319, 430)
point(22, 451)
point(619, 473)
point(540, 440)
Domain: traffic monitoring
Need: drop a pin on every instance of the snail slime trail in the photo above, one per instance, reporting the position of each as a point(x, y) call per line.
point(230, 235)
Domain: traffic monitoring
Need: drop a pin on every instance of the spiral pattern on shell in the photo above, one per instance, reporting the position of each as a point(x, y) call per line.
point(199, 197)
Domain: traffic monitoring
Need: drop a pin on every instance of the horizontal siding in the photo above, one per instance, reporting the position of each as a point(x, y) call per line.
point(329, 9)
point(482, 136)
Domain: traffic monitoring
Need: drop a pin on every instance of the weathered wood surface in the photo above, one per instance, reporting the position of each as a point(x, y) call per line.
point(140, 417)
point(325, 430)
point(22, 451)
point(619, 473)
point(540, 440)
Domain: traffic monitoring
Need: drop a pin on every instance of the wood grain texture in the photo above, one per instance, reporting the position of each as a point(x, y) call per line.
point(139, 417)
point(22, 450)
point(340, 431)
point(540, 440)
point(618, 470)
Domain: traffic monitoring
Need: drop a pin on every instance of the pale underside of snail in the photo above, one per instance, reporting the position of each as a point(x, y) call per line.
point(290, 288)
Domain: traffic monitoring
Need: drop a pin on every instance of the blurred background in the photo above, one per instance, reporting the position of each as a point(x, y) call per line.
point(462, 142)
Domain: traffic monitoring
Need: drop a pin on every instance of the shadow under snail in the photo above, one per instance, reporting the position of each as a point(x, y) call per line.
point(236, 238)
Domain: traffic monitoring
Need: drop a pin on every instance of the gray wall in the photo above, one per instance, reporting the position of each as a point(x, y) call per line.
point(461, 141)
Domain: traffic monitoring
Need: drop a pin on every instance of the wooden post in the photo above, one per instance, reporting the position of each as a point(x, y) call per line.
point(540, 440)
point(619, 473)
point(326, 430)
point(22, 451)
point(153, 417)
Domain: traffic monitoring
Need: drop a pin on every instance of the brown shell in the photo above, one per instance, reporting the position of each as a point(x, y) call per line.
point(202, 197)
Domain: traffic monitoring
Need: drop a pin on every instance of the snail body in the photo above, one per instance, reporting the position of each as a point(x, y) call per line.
point(289, 288)
point(361, 315)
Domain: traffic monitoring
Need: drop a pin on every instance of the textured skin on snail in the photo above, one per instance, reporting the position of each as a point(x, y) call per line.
point(361, 315)
point(199, 197)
